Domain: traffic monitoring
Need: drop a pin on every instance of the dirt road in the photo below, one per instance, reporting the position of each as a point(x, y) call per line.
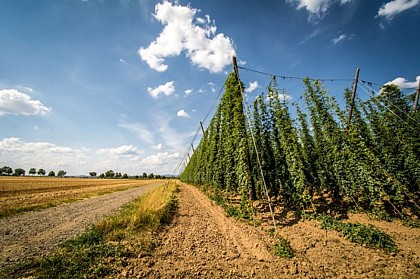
point(38, 232)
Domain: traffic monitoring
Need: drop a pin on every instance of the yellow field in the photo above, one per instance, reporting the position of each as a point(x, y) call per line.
point(19, 194)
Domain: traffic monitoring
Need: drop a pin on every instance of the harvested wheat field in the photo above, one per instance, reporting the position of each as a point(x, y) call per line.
point(18, 194)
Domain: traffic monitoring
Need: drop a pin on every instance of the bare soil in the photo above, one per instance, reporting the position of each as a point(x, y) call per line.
point(202, 242)
point(37, 233)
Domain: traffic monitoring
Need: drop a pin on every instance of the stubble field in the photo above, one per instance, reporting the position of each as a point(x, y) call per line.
point(19, 194)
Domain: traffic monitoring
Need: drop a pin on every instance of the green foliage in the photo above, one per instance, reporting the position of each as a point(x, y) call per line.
point(373, 164)
point(283, 249)
point(359, 233)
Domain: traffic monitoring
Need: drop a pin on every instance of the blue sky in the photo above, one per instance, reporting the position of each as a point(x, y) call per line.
point(93, 85)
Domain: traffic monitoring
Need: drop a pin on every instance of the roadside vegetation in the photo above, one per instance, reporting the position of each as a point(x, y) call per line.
point(109, 243)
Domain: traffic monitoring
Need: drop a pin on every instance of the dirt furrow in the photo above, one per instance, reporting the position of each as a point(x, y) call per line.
point(202, 242)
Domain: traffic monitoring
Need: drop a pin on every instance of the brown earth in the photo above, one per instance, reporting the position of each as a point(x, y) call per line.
point(202, 242)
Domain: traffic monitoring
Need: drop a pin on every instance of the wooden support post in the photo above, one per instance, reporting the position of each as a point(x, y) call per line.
point(235, 67)
point(202, 128)
point(416, 99)
point(353, 96)
point(189, 158)
point(192, 146)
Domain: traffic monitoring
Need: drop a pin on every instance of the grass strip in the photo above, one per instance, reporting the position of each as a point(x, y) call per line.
point(108, 243)
point(362, 234)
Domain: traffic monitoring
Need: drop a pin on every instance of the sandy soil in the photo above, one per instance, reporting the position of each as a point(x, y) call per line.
point(37, 233)
point(202, 242)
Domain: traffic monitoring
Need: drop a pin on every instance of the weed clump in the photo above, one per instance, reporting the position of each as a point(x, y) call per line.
point(283, 249)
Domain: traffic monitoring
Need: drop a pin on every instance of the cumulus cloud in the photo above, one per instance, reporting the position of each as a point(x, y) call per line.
point(121, 151)
point(182, 32)
point(164, 161)
point(15, 152)
point(316, 8)
point(188, 92)
point(17, 103)
point(166, 89)
point(252, 86)
point(403, 83)
point(343, 37)
point(182, 113)
point(391, 9)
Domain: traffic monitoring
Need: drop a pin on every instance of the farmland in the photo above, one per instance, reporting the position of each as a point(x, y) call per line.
point(19, 194)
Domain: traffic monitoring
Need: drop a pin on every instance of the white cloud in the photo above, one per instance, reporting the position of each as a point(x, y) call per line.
point(403, 83)
point(124, 151)
point(20, 154)
point(188, 92)
point(391, 9)
point(158, 146)
point(210, 86)
point(15, 102)
point(167, 89)
point(163, 161)
point(252, 86)
point(203, 47)
point(317, 8)
point(342, 37)
point(182, 113)
point(140, 131)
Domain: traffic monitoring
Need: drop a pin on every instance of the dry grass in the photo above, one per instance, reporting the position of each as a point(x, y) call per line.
point(18, 194)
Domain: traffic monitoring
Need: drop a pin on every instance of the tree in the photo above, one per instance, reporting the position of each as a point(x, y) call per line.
point(7, 170)
point(32, 171)
point(41, 172)
point(109, 174)
point(19, 172)
point(92, 173)
point(61, 173)
point(51, 173)
point(125, 176)
point(102, 175)
point(151, 175)
point(144, 175)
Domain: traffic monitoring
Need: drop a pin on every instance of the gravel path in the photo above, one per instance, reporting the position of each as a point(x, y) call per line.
point(37, 233)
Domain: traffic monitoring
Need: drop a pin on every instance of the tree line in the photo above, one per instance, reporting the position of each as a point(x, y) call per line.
point(371, 164)
point(6, 170)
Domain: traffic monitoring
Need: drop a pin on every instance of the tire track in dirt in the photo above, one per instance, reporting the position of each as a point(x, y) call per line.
point(37, 233)
point(201, 242)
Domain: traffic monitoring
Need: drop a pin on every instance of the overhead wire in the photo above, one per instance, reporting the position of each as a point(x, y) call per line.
point(256, 149)
point(186, 153)
point(394, 113)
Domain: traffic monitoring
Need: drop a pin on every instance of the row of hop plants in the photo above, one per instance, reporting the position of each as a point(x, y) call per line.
point(372, 164)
